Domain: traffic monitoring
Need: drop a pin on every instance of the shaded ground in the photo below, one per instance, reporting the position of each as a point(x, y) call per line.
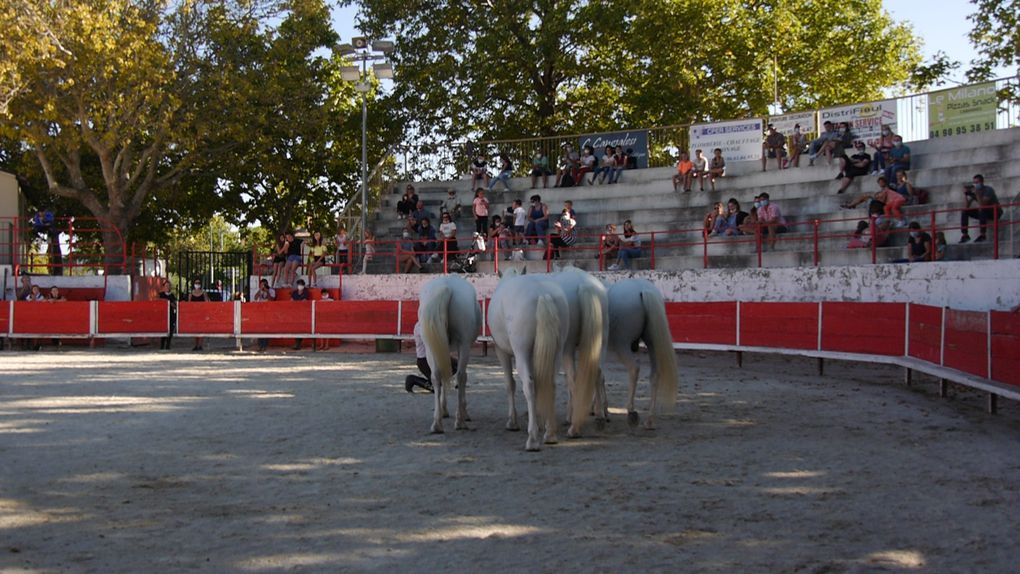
point(132, 461)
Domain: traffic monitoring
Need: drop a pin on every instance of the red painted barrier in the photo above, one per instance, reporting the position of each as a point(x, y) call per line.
point(925, 333)
point(966, 344)
point(5, 317)
point(131, 317)
point(783, 325)
point(875, 328)
point(1006, 347)
point(356, 318)
point(706, 323)
point(205, 318)
point(69, 318)
point(484, 306)
point(408, 317)
point(280, 317)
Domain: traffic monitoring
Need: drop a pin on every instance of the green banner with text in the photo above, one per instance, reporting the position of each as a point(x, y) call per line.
point(963, 110)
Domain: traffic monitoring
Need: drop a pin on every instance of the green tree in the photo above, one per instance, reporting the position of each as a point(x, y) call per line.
point(516, 68)
point(996, 35)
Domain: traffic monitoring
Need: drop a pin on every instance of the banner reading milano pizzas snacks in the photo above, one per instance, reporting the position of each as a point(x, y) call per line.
point(866, 119)
point(962, 110)
point(740, 140)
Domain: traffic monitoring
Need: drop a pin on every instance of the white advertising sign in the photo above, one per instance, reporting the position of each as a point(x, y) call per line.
point(740, 140)
point(784, 123)
point(866, 119)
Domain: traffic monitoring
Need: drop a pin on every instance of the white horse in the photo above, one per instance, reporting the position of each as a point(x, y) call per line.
point(528, 318)
point(586, 343)
point(451, 318)
point(637, 312)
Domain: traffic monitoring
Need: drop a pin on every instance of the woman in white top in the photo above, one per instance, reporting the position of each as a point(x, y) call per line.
point(630, 247)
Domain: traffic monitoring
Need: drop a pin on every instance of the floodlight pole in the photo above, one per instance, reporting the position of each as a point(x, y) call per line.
point(364, 156)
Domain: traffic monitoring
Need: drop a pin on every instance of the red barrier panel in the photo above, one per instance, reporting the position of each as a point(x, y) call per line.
point(967, 342)
point(484, 306)
point(279, 317)
point(926, 333)
point(356, 318)
point(132, 317)
point(873, 328)
point(1006, 347)
point(205, 318)
point(408, 317)
point(787, 325)
point(5, 317)
point(707, 323)
point(61, 318)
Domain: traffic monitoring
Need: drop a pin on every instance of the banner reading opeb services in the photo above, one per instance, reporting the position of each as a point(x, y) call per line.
point(635, 140)
point(963, 110)
point(866, 120)
point(739, 140)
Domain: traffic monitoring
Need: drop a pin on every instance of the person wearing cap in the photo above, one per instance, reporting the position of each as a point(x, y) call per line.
point(773, 147)
point(854, 166)
point(539, 168)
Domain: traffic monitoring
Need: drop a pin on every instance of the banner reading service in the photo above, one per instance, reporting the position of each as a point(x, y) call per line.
point(866, 120)
point(740, 140)
point(963, 110)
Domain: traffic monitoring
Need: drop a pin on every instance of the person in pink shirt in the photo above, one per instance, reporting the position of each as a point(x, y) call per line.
point(771, 219)
point(480, 206)
point(891, 199)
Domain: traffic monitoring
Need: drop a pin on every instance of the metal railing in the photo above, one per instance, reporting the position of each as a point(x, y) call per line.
point(63, 246)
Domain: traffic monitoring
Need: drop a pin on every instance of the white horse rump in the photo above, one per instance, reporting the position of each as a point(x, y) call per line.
point(637, 312)
point(528, 319)
point(451, 319)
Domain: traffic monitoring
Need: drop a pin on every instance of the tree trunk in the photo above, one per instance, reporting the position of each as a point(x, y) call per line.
point(114, 252)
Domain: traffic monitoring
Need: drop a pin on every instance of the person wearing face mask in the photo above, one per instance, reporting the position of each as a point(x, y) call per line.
point(919, 246)
point(883, 145)
point(899, 158)
point(299, 294)
point(538, 220)
point(986, 210)
point(480, 171)
point(197, 294)
point(166, 294)
point(854, 166)
point(771, 219)
point(845, 140)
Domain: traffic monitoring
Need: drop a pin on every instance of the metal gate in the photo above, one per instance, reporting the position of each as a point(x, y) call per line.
point(222, 273)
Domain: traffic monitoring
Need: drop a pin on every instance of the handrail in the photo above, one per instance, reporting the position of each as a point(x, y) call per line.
point(85, 245)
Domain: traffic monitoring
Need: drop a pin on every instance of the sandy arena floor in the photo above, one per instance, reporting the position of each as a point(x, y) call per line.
point(124, 460)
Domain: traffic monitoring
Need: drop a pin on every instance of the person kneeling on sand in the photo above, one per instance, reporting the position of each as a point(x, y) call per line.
point(425, 382)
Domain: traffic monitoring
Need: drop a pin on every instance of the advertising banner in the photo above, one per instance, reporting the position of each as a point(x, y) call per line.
point(740, 140)
point(866, 120)
point(784, 123)
point(963, 110)
point(636, 140)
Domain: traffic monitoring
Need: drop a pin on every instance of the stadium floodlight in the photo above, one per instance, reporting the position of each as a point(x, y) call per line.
point(344, 49)
point(384, 46)
point(350, 73)
point(383, 71)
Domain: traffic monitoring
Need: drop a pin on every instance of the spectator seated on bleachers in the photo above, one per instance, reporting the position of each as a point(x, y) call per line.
point(732, 220)
point(700, 171)
point(586, 166)
point(823, 144)
point(856, 165)
point(882, 146)
point(606, 166)
point(899, 156)
point(913, 195)
point(630, 247)
point(684, 173)
point(986, 208)
point(716, 167)
point(565, 235)
point(540, 168)
point(713, 219)
point(798, 145)
point(407, 203)
point(771, 219)
point(451, 205)
point(891, 202)
point(566, 172)
point(773, 147)
point(480, 171)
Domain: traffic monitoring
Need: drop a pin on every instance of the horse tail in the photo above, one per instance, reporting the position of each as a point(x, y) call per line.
point(547, 346)
point(589, 353)
point(435, 316)
point(662, 356)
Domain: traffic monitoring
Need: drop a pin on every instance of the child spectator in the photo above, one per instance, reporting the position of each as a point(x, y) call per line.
point(480, 208)
point(506, 171)
point(166, 294)
point(716, 167)
point(940, 246)
point(448, 231)
point(369, 248)
point(293, 258)
point(539, 168)
point(750, 224)
point(700, 171)
point(480, 171)
point(773, 147)
point(684, 173)
point(500, 236)
point(520, 222)
point(854, 166)
point(630, 247)
point(341, 256)
point(279, 257)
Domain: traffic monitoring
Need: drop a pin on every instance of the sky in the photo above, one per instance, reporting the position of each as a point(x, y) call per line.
point(942, 25)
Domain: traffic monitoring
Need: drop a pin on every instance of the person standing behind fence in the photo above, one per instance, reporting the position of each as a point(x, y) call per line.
point(341, 256)
point(279, 257)
point(293, 259)
point(480, 208)
point(265, 293)
point(299, 294)
point(168, 295)
point(197, 294)
point(316, 256)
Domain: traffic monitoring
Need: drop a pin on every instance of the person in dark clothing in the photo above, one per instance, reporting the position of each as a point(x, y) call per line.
point(299, 294)
point(167, 294)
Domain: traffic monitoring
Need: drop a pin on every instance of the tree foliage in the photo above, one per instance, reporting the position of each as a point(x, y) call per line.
point(996, 35)
point(522, 68)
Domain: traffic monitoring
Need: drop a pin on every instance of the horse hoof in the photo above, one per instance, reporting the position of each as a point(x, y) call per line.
point(437, 429)
point(532, 446)
point(573, 433)
point(633, 418)
point(551, 440)
point(513, 428)
point(600, 424)
point(462, 426)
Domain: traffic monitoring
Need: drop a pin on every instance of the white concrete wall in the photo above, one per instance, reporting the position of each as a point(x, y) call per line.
point(965, 285)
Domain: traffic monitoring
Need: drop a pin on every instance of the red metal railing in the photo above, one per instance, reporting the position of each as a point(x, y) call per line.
point(82, 237)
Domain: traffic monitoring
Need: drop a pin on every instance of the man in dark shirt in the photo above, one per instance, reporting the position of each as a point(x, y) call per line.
point(987, 207)
point(299, 294)
point(856, 165)
point(918, 244)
